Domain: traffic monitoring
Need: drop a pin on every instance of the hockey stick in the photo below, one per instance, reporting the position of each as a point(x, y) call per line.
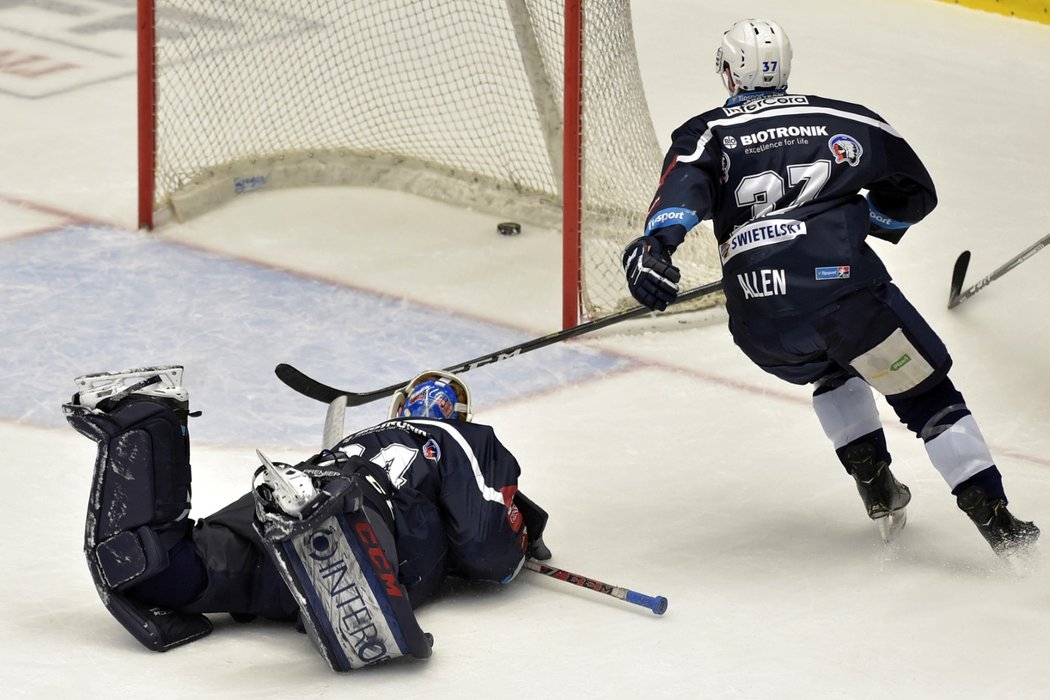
point(333, 423)
point(307, 386)
point(658, 604)
point(956, 296)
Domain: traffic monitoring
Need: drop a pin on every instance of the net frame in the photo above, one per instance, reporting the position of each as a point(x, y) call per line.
point(591, 184)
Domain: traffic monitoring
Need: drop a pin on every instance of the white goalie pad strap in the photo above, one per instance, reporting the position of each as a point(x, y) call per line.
point(848, 412)
point(959, 452)
point(893, 366)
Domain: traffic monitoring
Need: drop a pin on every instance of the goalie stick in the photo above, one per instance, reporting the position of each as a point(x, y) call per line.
point(658, 604)
point(308, 386)
point(956, 296)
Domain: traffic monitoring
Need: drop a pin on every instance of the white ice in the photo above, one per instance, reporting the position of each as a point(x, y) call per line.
point(668, 464)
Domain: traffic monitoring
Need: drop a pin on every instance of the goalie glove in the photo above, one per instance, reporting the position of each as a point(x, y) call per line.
point(651, 276)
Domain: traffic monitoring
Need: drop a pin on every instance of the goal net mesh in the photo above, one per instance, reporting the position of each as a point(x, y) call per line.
point(456, 100)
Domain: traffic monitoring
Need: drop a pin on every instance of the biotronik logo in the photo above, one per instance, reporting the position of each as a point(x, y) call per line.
point(782, 132)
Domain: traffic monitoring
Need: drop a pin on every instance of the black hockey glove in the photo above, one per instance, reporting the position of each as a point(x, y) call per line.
point(651, 276)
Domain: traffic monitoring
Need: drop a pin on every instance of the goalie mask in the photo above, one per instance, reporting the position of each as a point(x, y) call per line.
point(433, 394)
point(756, 53)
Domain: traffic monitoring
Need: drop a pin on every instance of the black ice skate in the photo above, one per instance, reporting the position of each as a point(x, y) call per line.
point(1006, 534)
point(884, 497)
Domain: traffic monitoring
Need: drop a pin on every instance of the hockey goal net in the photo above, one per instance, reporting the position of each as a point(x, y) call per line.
point(464, 101)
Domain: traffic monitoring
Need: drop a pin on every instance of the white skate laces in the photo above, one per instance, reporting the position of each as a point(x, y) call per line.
point(162, 381)
point(286, 488)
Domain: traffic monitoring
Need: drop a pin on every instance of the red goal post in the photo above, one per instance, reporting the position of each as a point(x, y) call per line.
point(531, 110)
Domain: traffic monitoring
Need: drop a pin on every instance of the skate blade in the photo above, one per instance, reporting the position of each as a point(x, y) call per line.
point(891, 524)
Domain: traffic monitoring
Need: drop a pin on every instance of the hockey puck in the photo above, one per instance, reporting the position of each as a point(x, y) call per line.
point(509, 228)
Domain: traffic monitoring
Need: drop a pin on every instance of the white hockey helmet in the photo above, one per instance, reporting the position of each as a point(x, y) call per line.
point(757, 55)
point(433, 394)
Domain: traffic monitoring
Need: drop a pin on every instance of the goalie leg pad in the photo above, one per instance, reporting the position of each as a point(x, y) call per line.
point(354, 609)
point(137, 510)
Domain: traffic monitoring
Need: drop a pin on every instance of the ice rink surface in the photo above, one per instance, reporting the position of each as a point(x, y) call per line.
point(668, 463)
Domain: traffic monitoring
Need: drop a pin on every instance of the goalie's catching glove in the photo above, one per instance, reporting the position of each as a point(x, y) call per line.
point(651, 276)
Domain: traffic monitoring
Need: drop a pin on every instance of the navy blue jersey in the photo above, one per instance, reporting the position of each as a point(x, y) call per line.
point(454, 487)
point(781, 178)
point(453, 507)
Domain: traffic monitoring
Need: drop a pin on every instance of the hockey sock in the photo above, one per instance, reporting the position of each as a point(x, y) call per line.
point(847, 413)
point(930, 413)
point(953, 441)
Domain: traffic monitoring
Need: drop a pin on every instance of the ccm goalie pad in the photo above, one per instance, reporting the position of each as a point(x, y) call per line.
point(340, 567)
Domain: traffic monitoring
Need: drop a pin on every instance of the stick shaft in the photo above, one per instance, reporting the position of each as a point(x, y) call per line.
point(308, 386)
point(658, 604)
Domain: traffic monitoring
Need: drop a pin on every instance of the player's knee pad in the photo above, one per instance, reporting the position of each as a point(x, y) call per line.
point(344, 581)
point(846, 409)
point(138, 508)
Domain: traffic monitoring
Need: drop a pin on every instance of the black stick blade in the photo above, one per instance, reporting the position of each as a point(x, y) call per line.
point(306, 385)
point(958, 275)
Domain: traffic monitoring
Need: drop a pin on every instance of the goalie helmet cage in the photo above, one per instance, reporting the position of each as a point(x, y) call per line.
point(530, 110)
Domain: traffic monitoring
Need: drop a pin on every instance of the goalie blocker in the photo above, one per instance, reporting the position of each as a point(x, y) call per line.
point(337, 557)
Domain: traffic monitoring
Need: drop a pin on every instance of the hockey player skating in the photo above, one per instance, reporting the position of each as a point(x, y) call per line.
point(348, 542)
point(809, 301)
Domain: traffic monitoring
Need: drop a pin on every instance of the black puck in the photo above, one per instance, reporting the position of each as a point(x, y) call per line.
point(509, 228)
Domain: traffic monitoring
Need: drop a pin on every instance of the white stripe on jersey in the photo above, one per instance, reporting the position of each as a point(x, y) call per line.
point(780, 112)
point(489, 493)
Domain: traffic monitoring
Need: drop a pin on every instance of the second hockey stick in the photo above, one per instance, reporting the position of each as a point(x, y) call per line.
point(658, 604)
point(956, 296)
point(308, 386)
